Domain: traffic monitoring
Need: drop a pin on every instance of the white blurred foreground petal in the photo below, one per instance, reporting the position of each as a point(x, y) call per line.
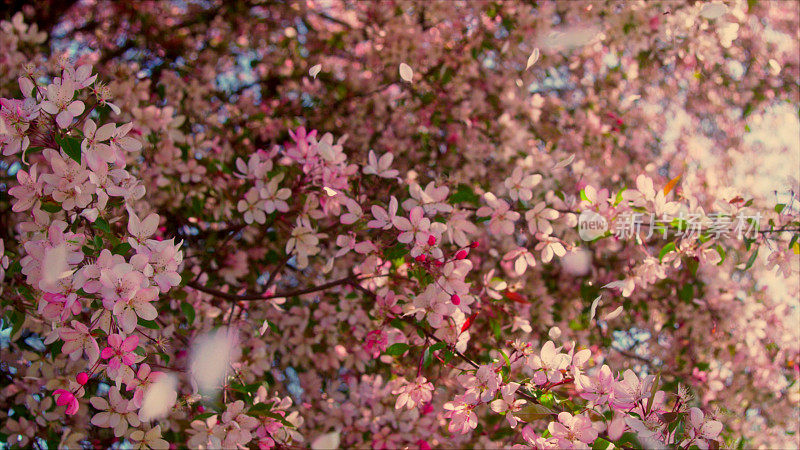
point(159, 398)
point(326, 441)
point(212, 354)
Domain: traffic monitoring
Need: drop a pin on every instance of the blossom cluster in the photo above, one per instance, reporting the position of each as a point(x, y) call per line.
point(237, 227)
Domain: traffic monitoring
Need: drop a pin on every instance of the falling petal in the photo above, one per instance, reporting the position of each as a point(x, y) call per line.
point(315, 70)
point(264, 327)
point(613, 314)
point(532, 59)
point(406, 73)
point(565, 162)
point(595, 304)
point(672, 183)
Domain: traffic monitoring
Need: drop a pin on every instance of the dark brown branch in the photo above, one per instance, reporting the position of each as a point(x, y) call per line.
point(262, 296)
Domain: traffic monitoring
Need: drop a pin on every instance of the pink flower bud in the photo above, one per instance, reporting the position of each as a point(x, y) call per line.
point(437, 263)
point(420, 258)
point(431, 240)
point(462, 254)
point(474, 244)
point(455, 299)
point(82, 378)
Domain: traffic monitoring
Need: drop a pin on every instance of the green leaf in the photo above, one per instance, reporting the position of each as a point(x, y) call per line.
point(71, 146)
point(495, 328)
point(121, 248)
point(151, 324)
point(427, 357)
point(204, 416)
point(189, 311)
point(722, 254)
point(447, 356)
point(578, 324)
point(17, 319)
point(618, 198)
point(779, 207)
point(752, 259)
point(397, 349)
point(102, 225)
point(686, 293)
point(535, 411)
point(601, 444)
point(98, 242)
point(398, 251)
point(655, 391)
point(583, 195)
point(51, 207)
point(260, 408)
point(667, 248)
point(505, 357)
point(464, 193)
point(245, 388)
point(793, 241)
point(438, 346)
point(55, 348)
point(669, 417)
point(164, 357)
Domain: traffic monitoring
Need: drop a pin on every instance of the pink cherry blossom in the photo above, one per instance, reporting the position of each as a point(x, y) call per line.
point(60, 102)
point(702, 430)
point(572, 431)
point(120, 350)
point(413, 229)
point(501, 217)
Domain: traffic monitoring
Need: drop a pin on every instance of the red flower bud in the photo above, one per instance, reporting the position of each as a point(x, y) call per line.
point(437, 263)
point(431, 240)
point(474, 244)
point(420, 258)
point(82, 378)
point(455, 299)
point(462, 254)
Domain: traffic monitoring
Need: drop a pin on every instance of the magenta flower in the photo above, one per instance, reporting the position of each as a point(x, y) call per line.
point(120, 351)
point(65, 397)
